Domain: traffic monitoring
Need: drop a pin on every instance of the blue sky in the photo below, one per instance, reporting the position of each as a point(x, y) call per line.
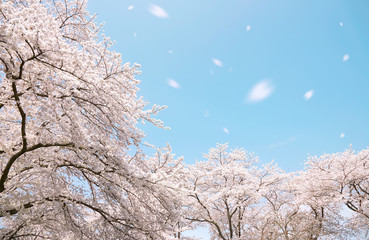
point(215, 52)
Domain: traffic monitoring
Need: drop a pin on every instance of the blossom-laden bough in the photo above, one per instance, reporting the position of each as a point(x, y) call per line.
point(68, 115)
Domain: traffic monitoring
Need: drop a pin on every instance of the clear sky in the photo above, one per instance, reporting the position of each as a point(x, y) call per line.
point(283, 79)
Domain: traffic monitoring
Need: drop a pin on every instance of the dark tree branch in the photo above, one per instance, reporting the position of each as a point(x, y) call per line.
point(23, 115)
point(11, 161)
point(15, 210)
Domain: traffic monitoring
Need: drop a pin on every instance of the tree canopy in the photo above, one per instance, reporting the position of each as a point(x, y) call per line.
point(68, 112)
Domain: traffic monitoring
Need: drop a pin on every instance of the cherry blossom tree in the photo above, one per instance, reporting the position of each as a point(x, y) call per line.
point(71, 164)
point(225, 190)
point(343, 178)
point(292, 210)
point(316, 203)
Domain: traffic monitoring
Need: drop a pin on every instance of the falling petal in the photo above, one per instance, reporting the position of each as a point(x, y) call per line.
point(217, 62)
point(158, 11)
point(173, 84)
point(308, 94)
point(345, 57)
point(260, 91)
